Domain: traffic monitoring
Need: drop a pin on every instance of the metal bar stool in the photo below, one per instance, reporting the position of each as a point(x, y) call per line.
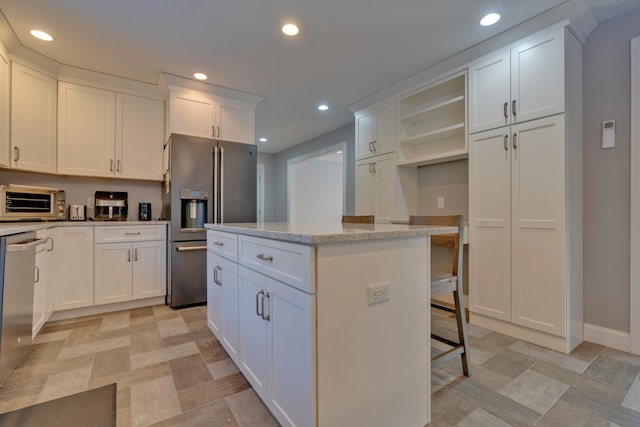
point(443, 282)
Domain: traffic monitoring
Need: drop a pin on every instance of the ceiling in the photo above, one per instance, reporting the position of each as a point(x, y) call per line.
point(347, 50)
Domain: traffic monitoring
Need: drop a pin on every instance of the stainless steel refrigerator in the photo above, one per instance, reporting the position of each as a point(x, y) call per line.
point(207, 181)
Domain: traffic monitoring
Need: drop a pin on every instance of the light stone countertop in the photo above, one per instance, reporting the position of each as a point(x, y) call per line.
point(7, 228)
point(313, 234)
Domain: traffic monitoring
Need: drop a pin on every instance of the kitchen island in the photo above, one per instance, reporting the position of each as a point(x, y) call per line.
point(329, 323)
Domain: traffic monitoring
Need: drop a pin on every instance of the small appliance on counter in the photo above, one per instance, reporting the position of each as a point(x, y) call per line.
point(111, 206)
point(77, 213)
point(144, 211)
point(29, 203)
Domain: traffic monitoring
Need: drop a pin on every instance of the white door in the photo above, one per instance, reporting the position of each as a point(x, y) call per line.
point(490, 223)
point(113, 279)
point(385, 128)
point(149, 269)
point(489, 93)
point(72, 267)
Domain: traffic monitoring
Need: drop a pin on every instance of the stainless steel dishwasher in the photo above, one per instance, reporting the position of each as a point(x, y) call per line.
point(17, 268)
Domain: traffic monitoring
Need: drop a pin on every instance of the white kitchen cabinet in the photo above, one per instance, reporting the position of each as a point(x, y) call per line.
point(86, 130)
point(33, 120)
point(130, 263)
point(72, 267)
point(5, 86)
point(204, 115)
point(384, 190)
point(223, 303)
point(375, 130)
point(432, 122)
point(42, 292)
point(278, 345)
point(139, 137)
point(523, 83)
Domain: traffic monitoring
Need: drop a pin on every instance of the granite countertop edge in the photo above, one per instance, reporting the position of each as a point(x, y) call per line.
point(350, 233)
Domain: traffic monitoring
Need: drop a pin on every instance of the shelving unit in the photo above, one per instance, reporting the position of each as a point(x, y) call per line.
point(432, 123)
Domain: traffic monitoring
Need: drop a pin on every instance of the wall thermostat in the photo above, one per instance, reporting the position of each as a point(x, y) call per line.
point(609, 134)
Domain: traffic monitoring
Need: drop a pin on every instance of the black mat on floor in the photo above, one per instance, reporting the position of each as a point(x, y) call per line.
point(91, 408)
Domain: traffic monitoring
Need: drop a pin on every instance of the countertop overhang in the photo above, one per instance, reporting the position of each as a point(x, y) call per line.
point(314, 234)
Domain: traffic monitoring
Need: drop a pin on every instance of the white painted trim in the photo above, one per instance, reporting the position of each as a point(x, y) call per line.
point(106, 308)
point(607, 337)
point(260, 192)
point(634, 252)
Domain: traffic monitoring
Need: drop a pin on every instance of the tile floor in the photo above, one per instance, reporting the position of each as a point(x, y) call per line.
point(171, 371)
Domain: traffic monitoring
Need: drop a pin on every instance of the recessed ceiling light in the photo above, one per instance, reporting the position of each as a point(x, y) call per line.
point(323, 107)
point(489, 19)
point(290, 29)
point(39, 34)
point(200, 76)
point(263, 140)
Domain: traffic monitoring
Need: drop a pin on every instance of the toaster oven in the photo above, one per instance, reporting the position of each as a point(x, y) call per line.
point(28, 203)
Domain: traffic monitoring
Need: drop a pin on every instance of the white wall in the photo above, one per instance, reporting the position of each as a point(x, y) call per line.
point(317, 191)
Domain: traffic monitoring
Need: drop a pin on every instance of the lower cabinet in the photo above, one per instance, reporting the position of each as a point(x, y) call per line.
point(277, 341)
point(222, 303)
point(127, 266)
point(42, 286)
point(72, 267)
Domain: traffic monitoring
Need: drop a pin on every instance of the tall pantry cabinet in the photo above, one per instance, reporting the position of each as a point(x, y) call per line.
point(525, 190)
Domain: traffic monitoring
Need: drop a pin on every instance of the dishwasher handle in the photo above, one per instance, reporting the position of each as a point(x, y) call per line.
point(21, 247)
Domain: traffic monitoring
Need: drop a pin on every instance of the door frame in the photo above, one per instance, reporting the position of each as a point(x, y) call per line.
point(291, 164)
point(634, 252)
point(260, 192)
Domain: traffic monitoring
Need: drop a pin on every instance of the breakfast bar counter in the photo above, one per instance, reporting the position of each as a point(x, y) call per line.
point(329, 323)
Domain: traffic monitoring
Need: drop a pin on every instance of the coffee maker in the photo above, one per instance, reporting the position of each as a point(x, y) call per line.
point(111, 206)
point(194, 208)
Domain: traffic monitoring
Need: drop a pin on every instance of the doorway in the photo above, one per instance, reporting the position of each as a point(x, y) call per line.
point(316, 186)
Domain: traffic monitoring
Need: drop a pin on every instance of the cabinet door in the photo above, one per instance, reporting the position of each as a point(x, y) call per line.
point(291, 354)
point(235, 122)
point(215, 297)
point(385, 128)
point(113, 264)
point(538, 225)
point(253, 330)
point(489, 223)
point(364, 134)
point(72, 267)
point(4, 107)
point(86, 130)
point(139, 137)
point(384, 177)
point(192, 114)
point(149, 269)
point(537, 77)
point(224, 300)
point(40, 289)
point(33, 120)
point(489, 93)
point(364, 202)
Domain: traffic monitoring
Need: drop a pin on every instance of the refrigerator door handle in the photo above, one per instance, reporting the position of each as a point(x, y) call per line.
point(221, 185)
point(215, 185)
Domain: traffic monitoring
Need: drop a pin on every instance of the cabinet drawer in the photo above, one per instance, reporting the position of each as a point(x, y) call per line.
point(288, 262)
point(132, 233)
point(224, 244)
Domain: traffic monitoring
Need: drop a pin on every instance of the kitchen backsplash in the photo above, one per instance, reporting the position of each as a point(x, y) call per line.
point(79, 189)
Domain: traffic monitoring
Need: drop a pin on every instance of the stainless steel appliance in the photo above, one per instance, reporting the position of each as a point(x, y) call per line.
point(208, 181)
point(111, 206)
point(17, 275)
point(29, 203)
point(77, 213)
point(144, 211)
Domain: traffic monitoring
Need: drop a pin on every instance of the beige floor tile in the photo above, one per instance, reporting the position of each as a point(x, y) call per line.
point(613, 371)
point(42, 370)
point(110, 362)
point(203, 393)
point(535, 391)
point(216, 414)
point(82, 336)
point(550, 356)
point(53, 336)
point(222, 368)
point(143, 342)
point(18, 403)
point(249, 410)
point(480, 417)
point(163, 355)
point(564, 414)
point(170, 327)
point(65, 383)
point(632, 399)
point(153, 401)
point(94, 347)
point(126, 379)
point(188, 371)
point(117, 320)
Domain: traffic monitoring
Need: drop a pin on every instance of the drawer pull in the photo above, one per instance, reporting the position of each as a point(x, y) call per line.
point(265, 258)
point(218, 243)
point(131, 233)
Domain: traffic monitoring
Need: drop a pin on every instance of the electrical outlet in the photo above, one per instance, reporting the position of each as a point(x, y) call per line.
point(440, 202)
point(377, 293)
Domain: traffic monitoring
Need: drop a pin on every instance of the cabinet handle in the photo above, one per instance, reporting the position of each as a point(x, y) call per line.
point(268, 316)
point(506, 143)
point(51, 240)
point(375, 169)
point(37, 275)
point(265, 258)
point(258, 303)
point(370, 149)
point(16, 150)
point(135, 254)
point(375, 147)
point(128, 255)
point(118, 166)
point(513, 107)
point(219, 132)
point(131, 233)
point(111, 166)
point(504, 110)
point(213, 131)
point(515, 142)
point(219, 243)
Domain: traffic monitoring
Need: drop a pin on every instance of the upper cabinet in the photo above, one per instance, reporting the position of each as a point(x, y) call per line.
point(204, 115)
point(375, 130)
point(517, 85)
point(107, 134)
point(33, 120)
point(4, 107)
point(432, 122)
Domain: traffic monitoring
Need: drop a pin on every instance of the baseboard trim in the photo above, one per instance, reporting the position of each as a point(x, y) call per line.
point(105, 308)
point(607, 337)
